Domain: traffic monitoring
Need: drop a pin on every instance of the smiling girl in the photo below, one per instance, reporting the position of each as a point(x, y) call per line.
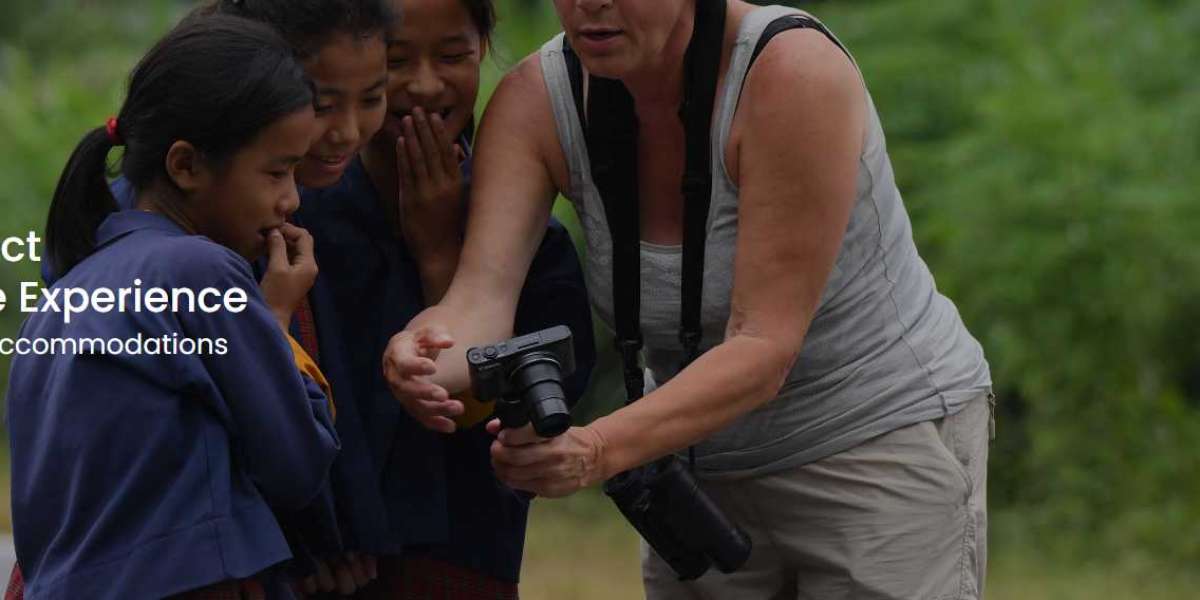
point(387, 237)
point(341, 44)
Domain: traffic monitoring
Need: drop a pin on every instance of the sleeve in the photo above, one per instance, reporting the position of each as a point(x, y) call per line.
point(280, 421)
point(309, 369)
point(555, 294)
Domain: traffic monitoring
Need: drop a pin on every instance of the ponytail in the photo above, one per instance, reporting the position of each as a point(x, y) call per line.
point(81, 202)
point(214, 81)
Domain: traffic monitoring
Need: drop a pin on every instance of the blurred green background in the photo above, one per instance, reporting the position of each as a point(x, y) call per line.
point(1047, 152)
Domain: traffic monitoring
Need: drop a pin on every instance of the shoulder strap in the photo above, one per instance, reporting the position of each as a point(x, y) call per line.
point(611, 131)
point(701, 64)
point(787, 22)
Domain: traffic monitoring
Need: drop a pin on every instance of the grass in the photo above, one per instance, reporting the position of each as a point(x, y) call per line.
point(579, 548)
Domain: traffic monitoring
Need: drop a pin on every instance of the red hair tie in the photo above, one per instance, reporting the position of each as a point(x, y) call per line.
point(113, 136)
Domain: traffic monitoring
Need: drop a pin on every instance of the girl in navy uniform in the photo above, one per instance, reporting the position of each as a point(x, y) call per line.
point(144, 475)
point(341, 45)
point(427, 503)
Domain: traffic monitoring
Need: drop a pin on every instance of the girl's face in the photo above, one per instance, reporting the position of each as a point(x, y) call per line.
point(350, 76)
point(240, 202)
point(433, 56)
point(615, 38)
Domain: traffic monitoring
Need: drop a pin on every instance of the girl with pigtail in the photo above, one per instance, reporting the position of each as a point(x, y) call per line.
point(155, 476)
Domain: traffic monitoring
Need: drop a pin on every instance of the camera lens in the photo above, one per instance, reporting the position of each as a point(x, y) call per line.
point(538, 379)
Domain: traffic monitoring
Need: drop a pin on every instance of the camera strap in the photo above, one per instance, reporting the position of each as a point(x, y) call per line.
point(611, 131)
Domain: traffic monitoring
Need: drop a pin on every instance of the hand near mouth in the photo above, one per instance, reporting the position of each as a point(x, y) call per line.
point(291, 271)
point(431, 198)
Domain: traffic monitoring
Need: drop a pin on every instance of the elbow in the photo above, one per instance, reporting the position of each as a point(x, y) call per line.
point(776, 351)
point(293, 483)
point(778, 360)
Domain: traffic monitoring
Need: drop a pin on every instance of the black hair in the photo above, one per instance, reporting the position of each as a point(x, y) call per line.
point(309, 24)
point(483, 16)
point(214, 81)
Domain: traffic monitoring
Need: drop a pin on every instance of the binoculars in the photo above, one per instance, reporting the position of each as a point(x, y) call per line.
point(683, 525)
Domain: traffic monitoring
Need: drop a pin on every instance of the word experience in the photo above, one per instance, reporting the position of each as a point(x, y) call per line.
point(69, 301)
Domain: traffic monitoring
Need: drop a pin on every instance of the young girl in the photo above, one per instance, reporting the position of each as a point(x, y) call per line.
point(153, 474)
point(426, 502)
point(341, 44)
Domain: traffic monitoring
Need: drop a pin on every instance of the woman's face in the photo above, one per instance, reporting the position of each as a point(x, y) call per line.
point(614, 38)
point(433, 57)
point(238, 203)
point(350, 76)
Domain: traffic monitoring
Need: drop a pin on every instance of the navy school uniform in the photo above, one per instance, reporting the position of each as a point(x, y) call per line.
point(137, 476)
point(398, 487)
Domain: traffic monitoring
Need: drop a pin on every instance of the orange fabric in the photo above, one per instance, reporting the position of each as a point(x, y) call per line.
point(474, 410)
point(309, 367)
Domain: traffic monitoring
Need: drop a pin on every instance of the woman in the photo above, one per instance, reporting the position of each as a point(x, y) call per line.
point(839, 407)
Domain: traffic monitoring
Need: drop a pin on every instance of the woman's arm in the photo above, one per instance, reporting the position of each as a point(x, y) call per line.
point(801, 122)
point(511, 197)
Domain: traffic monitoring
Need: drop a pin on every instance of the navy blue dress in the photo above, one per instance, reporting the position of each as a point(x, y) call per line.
point(398, 487)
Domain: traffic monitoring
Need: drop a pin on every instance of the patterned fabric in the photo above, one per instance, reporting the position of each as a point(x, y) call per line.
point(428, 579)
point(307, 327)
point(16, 585)
point(248, 589)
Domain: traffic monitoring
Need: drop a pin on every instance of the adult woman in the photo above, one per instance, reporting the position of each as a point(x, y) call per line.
point(839, 405)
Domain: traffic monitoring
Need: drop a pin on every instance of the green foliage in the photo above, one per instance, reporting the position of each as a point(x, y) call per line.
point(1046, 152)
point(54, 88)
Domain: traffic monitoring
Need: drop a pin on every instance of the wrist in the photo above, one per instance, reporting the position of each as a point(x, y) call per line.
point(601, 469)
point(283, 317)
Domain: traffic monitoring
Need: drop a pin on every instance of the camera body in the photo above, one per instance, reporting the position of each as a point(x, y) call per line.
point(523, 376)
point(683, 525)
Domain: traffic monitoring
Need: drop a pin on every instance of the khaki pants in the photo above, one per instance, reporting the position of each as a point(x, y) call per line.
point(903, 515)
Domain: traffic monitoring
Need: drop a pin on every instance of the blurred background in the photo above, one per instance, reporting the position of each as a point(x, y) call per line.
point(1048, 154)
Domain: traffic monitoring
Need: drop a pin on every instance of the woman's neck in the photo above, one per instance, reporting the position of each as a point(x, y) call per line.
point(658, 86)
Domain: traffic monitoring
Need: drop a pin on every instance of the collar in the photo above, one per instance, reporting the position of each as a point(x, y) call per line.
point(127, 221)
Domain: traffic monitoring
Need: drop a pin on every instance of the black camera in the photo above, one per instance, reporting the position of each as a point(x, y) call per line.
point(683, 525)
point(523, 376)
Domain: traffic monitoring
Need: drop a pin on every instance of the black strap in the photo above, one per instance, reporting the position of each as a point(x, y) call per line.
point(611, 135)
point(787, 22)
point(612, 148)
point(701, 63)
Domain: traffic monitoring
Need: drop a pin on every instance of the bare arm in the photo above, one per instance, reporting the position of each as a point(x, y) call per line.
point(511, 198)
point(802, 115)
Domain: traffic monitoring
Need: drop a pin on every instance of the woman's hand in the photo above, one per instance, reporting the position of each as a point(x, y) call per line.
point(291, 271)
point(431, 205)
point(554, 467)
point(408, 364)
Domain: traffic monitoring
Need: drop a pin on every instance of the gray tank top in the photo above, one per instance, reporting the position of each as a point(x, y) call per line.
point(884, 349)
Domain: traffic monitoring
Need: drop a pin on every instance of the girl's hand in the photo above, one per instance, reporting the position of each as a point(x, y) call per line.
point(431, 185)
point(345, 575)
point(408, 365)
point(553, 467)
point(291, 270)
